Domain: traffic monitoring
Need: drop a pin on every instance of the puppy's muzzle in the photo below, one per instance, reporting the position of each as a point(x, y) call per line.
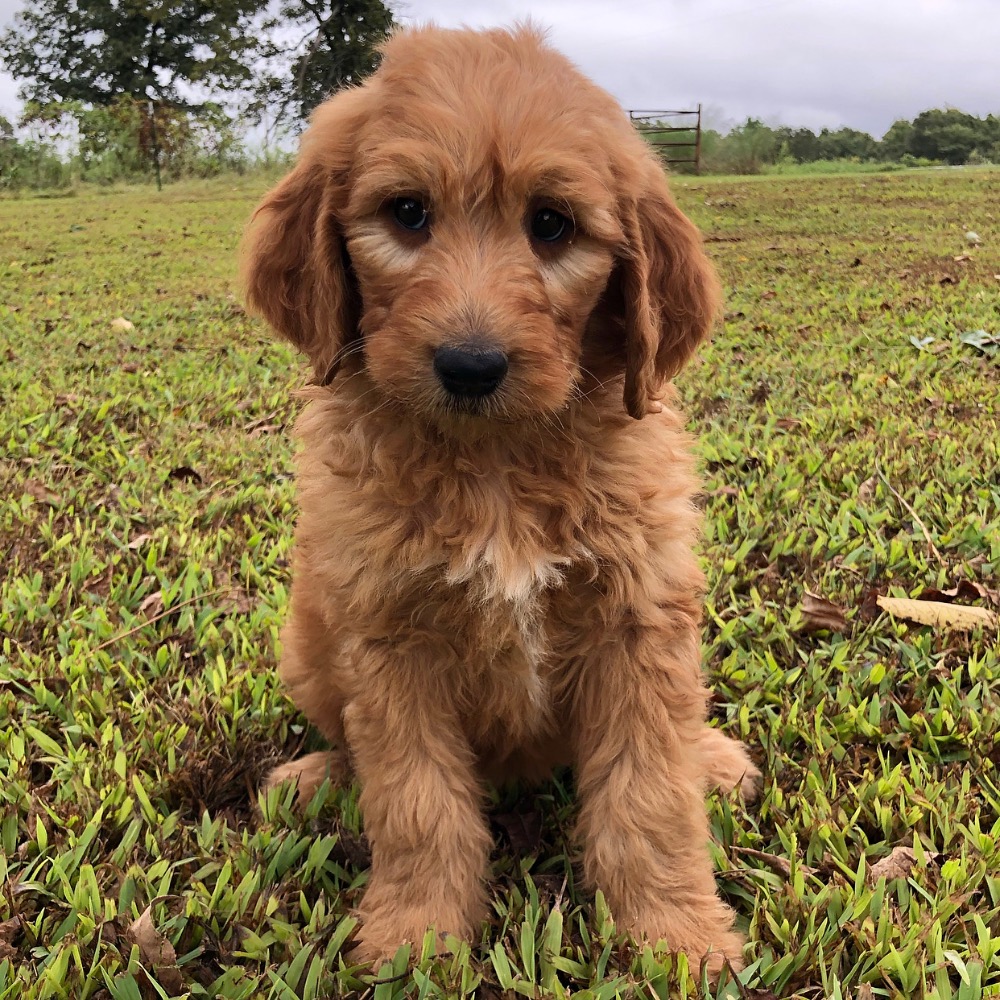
point(470, 371)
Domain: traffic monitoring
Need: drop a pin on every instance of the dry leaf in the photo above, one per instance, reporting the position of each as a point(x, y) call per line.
point(121, 323)
point(156, 951)
point(895, 865)
point(898, 864)
point(970, 590)
point(782, 866)
point(265, 429)
point(864, 992)
point(9, 929)
point(184, 473)
point(866, 491)
point(818, 614)
point(958, 616)
point(523, 830)
point(42, 493)
point(240, 601)
point(153, 604)
point(139, 541)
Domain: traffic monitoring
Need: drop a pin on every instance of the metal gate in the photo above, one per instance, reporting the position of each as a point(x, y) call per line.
point(663, 125)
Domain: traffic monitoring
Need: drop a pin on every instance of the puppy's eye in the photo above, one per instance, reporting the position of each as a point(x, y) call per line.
point(410, 213)
point(550, 226)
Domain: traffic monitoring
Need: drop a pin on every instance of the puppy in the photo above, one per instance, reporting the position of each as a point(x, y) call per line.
point(493, 570)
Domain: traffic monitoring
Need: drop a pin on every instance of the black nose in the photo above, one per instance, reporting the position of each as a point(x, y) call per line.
point(470, 371)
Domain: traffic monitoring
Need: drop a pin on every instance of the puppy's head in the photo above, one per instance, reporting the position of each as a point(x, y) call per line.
point(479, 228)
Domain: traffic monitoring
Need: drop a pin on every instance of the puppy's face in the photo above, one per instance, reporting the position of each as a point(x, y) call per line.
point(482, 235)
point(480, 226)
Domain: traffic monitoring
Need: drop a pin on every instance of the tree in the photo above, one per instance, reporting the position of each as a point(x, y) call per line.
point(802, 144)
point(950, 135)
point(133, 55)
point(95, 51)
point(846, 144)
point(895, 142)
point(318, 47)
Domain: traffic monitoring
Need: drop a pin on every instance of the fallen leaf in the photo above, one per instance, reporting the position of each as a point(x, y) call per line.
point(139, 541)
point(773, 861)
point(121, 323)
point(819, 614)
point(156, 951)
point(897, 864)
point(184, 472)
point(523, 830)
point(9, 929)
point(265, 429)
point(970, 590)
point(866, 491)
point(152, 605)
point(988, 343)
point(39, 491)
point(240, 601)
point(963, 617)
point(962, 258)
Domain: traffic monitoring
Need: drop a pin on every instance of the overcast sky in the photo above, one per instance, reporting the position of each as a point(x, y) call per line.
point(815, 63)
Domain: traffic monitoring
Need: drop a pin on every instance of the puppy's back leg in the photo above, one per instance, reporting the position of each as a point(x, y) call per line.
point(310, 673)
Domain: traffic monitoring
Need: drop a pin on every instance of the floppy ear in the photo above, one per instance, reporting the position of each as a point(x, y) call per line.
point(670, 289)
point(296, 271)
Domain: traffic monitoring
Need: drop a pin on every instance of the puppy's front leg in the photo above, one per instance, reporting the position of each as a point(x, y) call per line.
point(640, 710)
point(421, 804)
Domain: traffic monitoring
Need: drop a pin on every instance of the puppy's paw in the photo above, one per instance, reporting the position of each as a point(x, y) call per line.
point(702, 931)
point(308, 773)
point(727, 765)
point(381, 935)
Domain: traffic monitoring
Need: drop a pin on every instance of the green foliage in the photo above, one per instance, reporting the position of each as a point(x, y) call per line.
point(333, 45)
point(952, 136)
point(895, 143)
point(145, 520)
point(948, 136)
point(95, 51)
point(26, 163)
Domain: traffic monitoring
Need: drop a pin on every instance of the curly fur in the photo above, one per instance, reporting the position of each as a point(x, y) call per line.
point(483, 593)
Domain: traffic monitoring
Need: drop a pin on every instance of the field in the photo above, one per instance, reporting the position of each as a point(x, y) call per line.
point(851, 449)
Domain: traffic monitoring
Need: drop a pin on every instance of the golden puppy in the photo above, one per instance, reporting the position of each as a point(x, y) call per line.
point(493, 567)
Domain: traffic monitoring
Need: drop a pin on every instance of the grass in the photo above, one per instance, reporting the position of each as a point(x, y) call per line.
point(145, 509)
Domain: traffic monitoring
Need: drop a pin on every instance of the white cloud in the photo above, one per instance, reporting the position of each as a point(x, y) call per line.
point(814, 63)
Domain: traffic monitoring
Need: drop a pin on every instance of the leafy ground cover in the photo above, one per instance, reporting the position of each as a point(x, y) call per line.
point(851, 446)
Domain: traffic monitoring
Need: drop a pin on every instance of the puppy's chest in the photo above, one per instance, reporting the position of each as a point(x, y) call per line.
point(500, 551)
